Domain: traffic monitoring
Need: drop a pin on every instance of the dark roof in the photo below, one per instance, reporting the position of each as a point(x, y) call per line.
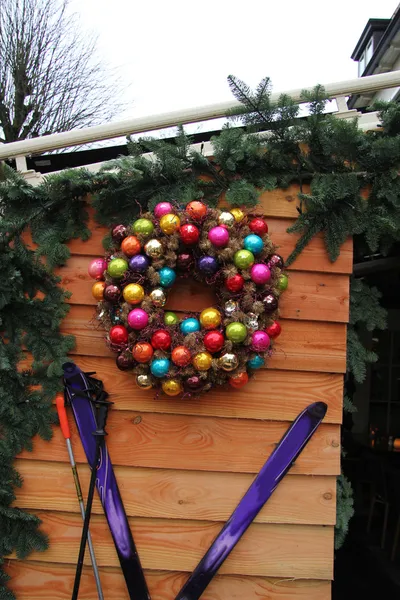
point(373, 25)
point(384, 43)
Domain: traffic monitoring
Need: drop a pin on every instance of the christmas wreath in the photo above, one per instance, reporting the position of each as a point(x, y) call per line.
point(225, 343)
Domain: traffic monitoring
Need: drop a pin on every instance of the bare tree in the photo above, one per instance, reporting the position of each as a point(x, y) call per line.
point(50, 80)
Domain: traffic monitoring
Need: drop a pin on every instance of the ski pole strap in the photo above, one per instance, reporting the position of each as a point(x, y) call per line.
point(273, 471)
point(79, 390)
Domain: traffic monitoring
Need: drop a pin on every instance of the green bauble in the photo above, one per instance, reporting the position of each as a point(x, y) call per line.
point(170, 318)
point(243, 259)
point(117, 267)
point(236, 332)
point(143, 226)
point(283, 282)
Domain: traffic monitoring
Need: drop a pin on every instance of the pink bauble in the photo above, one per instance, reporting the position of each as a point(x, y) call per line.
point(260, 273)
point(96, 268)
point(218, 236)
point(163, 208)
point(260, 341)
point(138, 318)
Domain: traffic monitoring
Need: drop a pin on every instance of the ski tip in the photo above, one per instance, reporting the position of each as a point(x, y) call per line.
point(317, 410)
point(69, 368)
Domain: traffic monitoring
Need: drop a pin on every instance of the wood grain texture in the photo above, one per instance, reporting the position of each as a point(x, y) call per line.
point(310, 296)
point(268, 550)
point(52, 581)
point(180, 494)
point(198, 443)
point(302, 346)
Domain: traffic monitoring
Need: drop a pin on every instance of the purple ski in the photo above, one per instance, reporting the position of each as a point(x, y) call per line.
point(276, 467)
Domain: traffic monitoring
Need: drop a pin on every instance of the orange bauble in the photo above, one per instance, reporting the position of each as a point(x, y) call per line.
point(98, 290)
point(181, 356)
point(130, 246)
point(142, 352)
point(238, 381)
point(197, 210)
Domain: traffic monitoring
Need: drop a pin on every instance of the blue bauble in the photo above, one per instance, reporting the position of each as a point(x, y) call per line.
point(190, 326)
point(253, 243)
point(257, 361)
point(208, 265)
point(167, 276)
point(159, 367)
point(139, 263)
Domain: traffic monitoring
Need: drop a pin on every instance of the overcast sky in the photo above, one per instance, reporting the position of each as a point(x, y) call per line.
point(176, 54)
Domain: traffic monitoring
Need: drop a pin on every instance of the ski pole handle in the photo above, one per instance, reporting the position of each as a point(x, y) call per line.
point(62, 415)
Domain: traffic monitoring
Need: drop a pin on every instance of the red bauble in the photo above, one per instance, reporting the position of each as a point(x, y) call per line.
point(142, 352)
point(235, 283)
point(118, 233)
point(161, 339)
point(184, 261)
point(258, 226)
point(181, 356)
point(238, 381)
point(197, 210)
point(189, 234)
point(213, 341)
point(274, 330)
point(118, 334)
point(124, 362)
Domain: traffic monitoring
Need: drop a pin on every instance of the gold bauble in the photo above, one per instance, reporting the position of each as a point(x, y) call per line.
point(133, 293)
point(153, 248)
point(169, 223)
point(158, 297)
point(238, 214)
point(144, 382)
point(172, 387)
point(210, 318)
point(227, 219)
point(228, 361)
point(202, 361)
point(98, 290)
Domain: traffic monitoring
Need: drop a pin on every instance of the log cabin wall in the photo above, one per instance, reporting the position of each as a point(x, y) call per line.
point(182, 465)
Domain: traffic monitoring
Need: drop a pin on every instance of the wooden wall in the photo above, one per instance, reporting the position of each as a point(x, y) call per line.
point(183, 465)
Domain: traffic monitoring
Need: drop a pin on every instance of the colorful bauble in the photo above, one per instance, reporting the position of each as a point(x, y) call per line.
point(138, 319)
point(161, 339)
point(210, 318)
point(159, 367)
point(223, 343)
point(190, 326)
point(258, 226)
point(118, 334)
point(243, 259)
point(142, 352)
point(133, 293)
point(189, 234)
point(172, 387)
point(236, 332)
point(219, 236)
point(169, 223)
point(283, 282)
point(98, 290)
point(130, 246)
point(143, 226)
point(181, 356)
point(202, 361)
point(260, 274)
point(167, 276)
point(96, 268)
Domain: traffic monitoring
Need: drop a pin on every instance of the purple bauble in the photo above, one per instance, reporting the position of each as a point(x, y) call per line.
point(208, 265)
point(96, 268)
point(193, 384)
point(219, 236)
point(139, 263)
point(260, 341)
point(124, 362)
point(118, 233)
point(260, 274)
point(138, 319)
point(163, 208)
point(184, 261)
point(270, 302)
point(276, 261)
point(112, 293)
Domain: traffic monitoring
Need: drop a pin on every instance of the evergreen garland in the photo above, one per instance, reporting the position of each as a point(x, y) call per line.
point(354, 191)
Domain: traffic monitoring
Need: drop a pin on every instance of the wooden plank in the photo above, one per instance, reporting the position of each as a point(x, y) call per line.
point(198, 443)
point(180, 494)
point(310, 296)
point(51, 581)
point(302, 346)
point(301, 551)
